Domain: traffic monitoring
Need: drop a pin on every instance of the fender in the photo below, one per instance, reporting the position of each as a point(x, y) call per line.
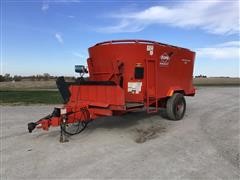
point(174, 89)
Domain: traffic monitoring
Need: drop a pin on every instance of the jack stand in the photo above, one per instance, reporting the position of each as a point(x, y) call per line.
point(63, 137)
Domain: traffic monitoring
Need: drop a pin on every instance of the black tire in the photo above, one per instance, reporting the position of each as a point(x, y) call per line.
point(176, 107)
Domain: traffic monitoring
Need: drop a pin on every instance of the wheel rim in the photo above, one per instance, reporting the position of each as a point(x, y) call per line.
point(180, 109)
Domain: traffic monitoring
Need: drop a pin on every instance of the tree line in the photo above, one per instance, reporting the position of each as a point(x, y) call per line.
point(44, 77)
point(39, 77)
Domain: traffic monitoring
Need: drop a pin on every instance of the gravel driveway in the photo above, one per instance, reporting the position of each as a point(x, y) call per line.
point(204, 145)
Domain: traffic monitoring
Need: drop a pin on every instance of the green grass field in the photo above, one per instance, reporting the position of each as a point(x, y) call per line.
point(30, 97)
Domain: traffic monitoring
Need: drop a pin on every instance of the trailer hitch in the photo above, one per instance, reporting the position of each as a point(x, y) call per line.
point(68, 125)
point(33, 125)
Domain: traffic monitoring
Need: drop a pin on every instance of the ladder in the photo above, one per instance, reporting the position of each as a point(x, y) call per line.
point(151, 85)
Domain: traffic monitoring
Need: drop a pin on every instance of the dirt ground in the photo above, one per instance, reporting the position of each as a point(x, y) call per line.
point(204, 145)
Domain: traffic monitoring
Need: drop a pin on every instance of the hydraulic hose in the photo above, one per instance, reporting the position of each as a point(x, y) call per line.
point(81, 126)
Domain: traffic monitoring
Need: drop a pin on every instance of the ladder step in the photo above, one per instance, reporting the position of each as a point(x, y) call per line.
point(154, 109)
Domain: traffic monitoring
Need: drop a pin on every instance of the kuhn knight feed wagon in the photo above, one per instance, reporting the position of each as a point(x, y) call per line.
point(124, 75)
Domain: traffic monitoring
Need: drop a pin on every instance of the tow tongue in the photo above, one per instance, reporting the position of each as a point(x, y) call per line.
point(32, 125)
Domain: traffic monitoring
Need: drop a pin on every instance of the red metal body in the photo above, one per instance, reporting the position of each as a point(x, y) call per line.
point(143, 74)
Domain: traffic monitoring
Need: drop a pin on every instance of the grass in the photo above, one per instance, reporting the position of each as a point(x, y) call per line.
point(217, 85)
point(45, 92)
point(30, 97)
point(216, 81)
point(28, 85)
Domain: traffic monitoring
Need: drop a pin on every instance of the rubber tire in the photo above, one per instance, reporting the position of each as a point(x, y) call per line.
point(172, 103)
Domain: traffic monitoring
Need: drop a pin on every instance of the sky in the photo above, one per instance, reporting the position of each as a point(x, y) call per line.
point(51, 36)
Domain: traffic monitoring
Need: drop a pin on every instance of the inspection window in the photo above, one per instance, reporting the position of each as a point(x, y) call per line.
point(139, 72)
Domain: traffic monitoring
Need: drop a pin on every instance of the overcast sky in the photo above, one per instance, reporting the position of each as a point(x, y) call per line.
point(51, 36)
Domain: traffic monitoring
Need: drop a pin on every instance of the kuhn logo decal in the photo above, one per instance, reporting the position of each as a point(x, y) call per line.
point(164, 59)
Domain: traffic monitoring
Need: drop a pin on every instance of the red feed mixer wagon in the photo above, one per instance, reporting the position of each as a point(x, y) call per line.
point(124, 75)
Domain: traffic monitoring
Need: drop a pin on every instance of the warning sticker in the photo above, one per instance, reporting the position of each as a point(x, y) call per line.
point(150, 49)
point(134, 87)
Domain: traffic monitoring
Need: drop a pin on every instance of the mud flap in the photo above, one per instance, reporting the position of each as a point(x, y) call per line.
point(63, 89)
